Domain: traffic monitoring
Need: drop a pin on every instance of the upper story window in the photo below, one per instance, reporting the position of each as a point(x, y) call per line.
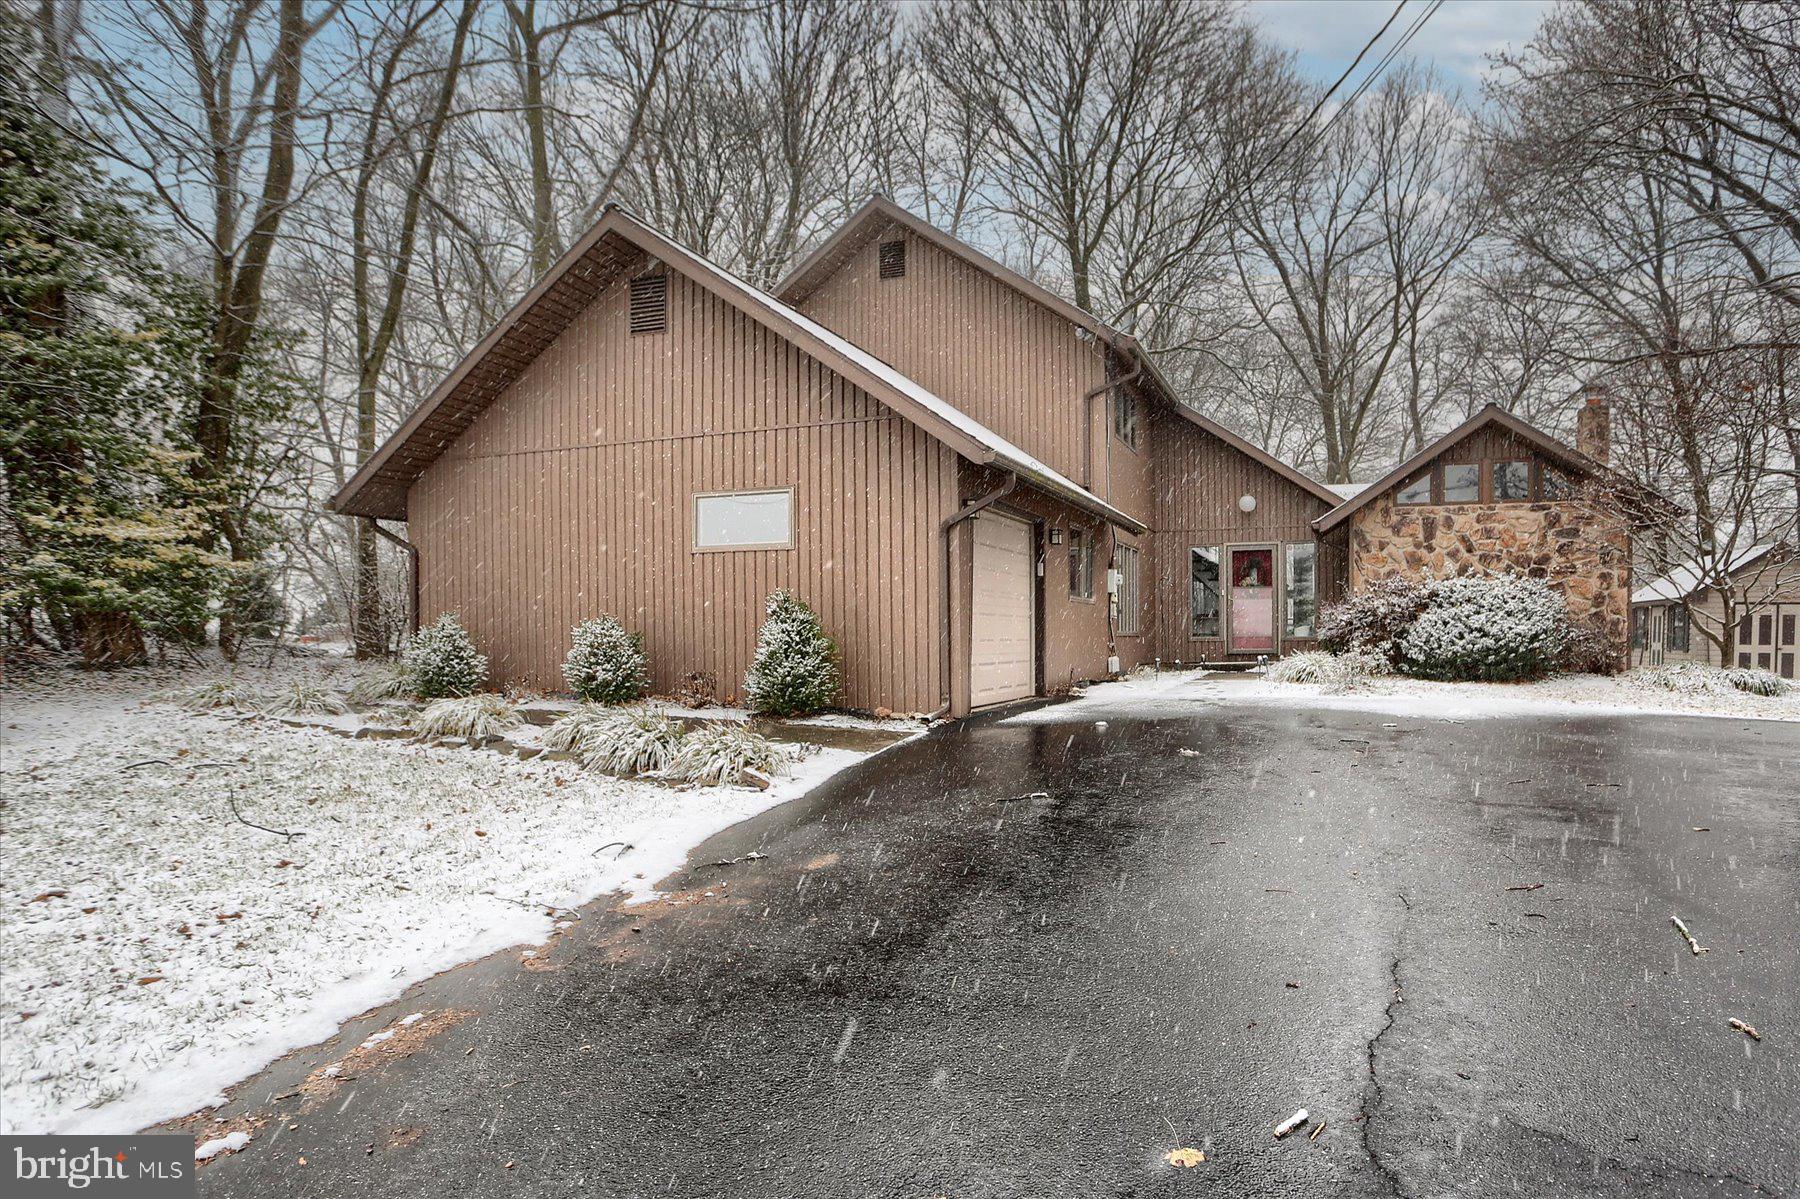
point(1416, 491)
point(1127, 417)
point(1512, 481)
point(1462, 482)
point(744, 520)
point(893, 260)
point(650, 304)
point(1081, 564)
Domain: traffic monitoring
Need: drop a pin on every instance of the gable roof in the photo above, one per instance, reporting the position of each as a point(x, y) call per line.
point(1492, 414)
point(619, 242)
point(1691, 576)
point(878, 214)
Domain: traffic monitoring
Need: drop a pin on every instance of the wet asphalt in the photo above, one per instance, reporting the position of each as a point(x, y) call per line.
point(1032, 956)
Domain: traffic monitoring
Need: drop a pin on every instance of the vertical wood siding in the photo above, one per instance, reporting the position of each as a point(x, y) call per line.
point(1199, 480)
point(571, 496)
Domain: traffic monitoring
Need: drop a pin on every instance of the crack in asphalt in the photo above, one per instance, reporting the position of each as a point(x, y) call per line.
point(1372, 1093)
point(1651, 1166)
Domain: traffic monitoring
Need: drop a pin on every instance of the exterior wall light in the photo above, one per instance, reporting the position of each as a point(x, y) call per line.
point(1246, 503)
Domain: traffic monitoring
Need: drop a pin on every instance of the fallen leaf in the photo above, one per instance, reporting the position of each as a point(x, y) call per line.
point(148, 979)
point(1187, 1159)
point(51, 895)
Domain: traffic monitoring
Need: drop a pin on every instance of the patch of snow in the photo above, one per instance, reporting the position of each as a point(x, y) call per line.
point(160, 948)
point(231, 1142)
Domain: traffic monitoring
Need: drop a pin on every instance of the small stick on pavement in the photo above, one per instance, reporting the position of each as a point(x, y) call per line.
point(1317, 1129)
point(1746, 1029)
point(1290, 1124)
point(1693, 945)
point(1527, 887)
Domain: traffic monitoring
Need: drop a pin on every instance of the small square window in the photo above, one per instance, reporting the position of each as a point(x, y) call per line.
point(893, 260)
point(1512, 481)
point(1418, 491)
point(1462, 483)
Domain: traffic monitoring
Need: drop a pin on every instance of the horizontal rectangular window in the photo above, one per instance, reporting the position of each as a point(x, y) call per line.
point(744, 520)
point(1418, 491)
point(1512, 481)
point(1203, 591)
point(1462, 483)
point(1302, 588)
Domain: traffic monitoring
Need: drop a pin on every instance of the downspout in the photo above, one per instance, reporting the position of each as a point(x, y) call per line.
point(412, 561)
point(1087, 412)
point(949, 523)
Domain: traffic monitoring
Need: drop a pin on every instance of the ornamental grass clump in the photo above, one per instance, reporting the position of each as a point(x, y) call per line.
point(442, 662)
point(212, 696)
point(1332, 673)
point(385, 683)
point(1499, 629)
point(303, 697)
point(795, 671)
point(605, 664)
point(1752, 681)
point(630, 741)
point(727, 752)
point(475, 717)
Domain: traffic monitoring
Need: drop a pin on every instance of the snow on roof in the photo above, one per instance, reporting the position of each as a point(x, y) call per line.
point(1348, 491)
point(1010, 455)
point(1690, 576)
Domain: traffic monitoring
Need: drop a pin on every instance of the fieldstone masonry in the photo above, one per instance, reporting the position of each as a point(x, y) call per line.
point(1582, 550)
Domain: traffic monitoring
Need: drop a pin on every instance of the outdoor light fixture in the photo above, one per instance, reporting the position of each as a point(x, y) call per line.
point(1246, 503)
point(1055, 536)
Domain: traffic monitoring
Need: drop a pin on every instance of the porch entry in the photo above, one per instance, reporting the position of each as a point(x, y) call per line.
point(1251, 570)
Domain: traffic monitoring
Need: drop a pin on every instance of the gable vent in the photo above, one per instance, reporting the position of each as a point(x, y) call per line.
point(893, 259)
point(650, 304)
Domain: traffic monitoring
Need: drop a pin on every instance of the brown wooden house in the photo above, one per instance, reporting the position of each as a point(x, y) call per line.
point(986, 493)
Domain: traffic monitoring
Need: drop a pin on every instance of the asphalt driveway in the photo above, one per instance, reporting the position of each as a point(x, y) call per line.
point(1031, 956)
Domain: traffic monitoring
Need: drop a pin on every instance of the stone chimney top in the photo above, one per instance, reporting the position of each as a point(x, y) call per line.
point(1593, 425)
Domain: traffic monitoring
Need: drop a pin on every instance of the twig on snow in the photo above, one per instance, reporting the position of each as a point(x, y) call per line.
point(1693, 945)
point(289, 834)
point(623, 846)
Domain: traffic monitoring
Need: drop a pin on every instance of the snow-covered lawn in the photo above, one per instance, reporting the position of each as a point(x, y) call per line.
point(1402, 696)
point(164, 937)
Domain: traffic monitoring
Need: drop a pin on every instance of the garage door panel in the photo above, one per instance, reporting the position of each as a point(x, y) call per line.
point(1002, 633)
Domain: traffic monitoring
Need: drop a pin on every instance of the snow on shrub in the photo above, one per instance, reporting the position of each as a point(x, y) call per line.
point(389, 681)
point(1499, 628)
point(1375, 618)
point(630, 741)
point(795, 671)
point(570, 734)
point(1757, 682)
point(476, 717)
point(1331, 672)
point(727, 752)
point(1589, 651)
point(303, 697)
point(442, 660)
point(605, 664)
point(207, 697)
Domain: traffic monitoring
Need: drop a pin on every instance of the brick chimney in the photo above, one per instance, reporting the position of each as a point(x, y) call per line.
point(1593, 426)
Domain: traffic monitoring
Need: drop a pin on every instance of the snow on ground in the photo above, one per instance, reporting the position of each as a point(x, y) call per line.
point(159, 947)
point(1400, 696)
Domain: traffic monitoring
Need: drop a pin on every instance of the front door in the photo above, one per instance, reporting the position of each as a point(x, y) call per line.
point(1252, 628)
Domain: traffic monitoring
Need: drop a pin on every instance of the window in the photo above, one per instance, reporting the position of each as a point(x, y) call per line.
point(1765, 630)
point(744, 520)
point(1787, 630)
point(1787, 666)
point(650, 304)
point(893, 260)
point(1512, 481)
point(1462, 483)
point(1416, 492)
point(1680, 633)
point(1762, 661)
point(1554, 485)
point(1744, 629)
point(1130, 599)
point(1203, 592)
point(1302, 588)
point(1744, 661)
point(1125, 417)
point(1081, 564)
point(1640, 623)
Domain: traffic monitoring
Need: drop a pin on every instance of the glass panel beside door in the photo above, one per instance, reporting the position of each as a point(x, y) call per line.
point(1252, 574)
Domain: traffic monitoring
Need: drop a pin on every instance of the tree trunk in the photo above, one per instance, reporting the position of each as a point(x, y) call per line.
point(110, 639)
point(368, 631)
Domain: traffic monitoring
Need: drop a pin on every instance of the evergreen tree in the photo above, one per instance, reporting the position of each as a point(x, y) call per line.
point(796, 669)
point(102, 516)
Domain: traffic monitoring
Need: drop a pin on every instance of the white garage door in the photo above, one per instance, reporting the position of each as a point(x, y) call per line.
point(1002, 637)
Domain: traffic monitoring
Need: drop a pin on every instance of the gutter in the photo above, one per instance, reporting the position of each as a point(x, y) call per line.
point(945, 528)
point(412, 561)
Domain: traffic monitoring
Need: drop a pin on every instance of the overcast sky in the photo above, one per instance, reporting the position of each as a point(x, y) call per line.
point(1328, 33)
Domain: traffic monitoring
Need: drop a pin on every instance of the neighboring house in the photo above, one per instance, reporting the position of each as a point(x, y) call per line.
point(986, 493)
point(1498, 495)
point(1761, 631)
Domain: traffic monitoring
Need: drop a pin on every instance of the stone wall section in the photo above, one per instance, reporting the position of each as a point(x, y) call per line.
point(1584, 552)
